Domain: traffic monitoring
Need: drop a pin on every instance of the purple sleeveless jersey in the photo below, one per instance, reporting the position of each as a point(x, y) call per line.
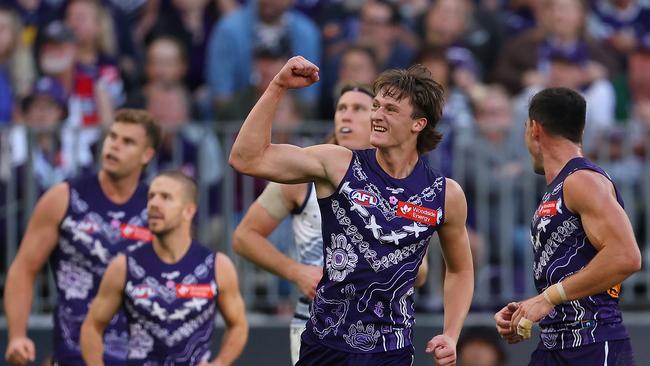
point(375, 232)
point(170, 308)
point(92, 232)
point(562, 248)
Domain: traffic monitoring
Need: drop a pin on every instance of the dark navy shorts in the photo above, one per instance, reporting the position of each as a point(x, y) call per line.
point(317, 355)
point(609, 353)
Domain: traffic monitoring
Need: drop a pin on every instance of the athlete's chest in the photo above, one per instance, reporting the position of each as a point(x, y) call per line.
point(553, 223)
point(170, 294)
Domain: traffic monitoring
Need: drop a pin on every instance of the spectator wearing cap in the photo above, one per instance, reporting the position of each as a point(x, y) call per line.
point(229, 63)
point(524, 60)
point(16, 64)
point(39, 134)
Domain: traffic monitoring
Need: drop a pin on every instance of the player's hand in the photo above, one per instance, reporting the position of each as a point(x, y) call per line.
point(20, 351)
point(533, 309)
point(296, 73)
point(443, 350)
point(307, 278)
point(503, 320)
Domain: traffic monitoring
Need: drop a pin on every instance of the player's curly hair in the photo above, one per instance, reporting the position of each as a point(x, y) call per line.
point(425, 95)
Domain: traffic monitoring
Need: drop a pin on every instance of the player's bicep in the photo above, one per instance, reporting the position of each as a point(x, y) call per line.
point(231, 304)
point(110, 293)
point(454, 239)
point(292, 164)
point(605, 222)
point(42, 232)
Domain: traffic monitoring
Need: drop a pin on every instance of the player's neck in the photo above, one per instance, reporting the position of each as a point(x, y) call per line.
point(172, 246)
point(397, 161)
point(557, 153)
point(118, 189)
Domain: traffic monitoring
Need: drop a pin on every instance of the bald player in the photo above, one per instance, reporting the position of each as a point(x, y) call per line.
point(170, 290)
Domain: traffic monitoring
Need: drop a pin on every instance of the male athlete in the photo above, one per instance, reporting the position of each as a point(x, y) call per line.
point(169, 290)
point(583, 244)
point(379, 208)
point(351, 130)
point(79, 225)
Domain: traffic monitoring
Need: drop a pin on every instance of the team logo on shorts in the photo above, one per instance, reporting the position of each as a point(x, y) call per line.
point(364, 198)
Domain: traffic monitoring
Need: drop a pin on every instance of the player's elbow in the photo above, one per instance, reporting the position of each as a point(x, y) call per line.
point(239, 241)
point(237, 162)
point(633, 262)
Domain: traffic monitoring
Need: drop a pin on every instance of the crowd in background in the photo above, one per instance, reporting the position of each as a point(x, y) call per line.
point(67, 65)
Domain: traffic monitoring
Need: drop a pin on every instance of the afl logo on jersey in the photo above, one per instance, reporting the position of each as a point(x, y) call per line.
point(364, 198)
point(142, 292)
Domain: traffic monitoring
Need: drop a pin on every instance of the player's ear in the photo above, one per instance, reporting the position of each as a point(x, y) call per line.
point(149, 153)
point(535, 128)
point(419, 125)
point(189, 211)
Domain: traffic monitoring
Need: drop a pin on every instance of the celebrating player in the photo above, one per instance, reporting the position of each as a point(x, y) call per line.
point(379, 208)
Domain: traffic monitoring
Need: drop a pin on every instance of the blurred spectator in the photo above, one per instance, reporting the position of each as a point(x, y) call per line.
point(572, 71)
point(16, 64)
point(459, 23)
point(189, 21)
point(44, 111)
point(165, 63)
point(185, 146)
point(357, 65)
point(230, 46)
point(639, 77)
point(190, 148)
point(613, 154)
point(379, 29)
point(519, 16)
point(98, 85)
point(457, 120)
point(34, 14)
point(525, 59)
point(492, 159)
point(480, 346)
point(620, 24)
point(268, 60)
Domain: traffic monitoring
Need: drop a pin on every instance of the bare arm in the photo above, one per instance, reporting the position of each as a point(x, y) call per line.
point(592, 197)
point(39, 241)
point(103, 308)
point(609, 231)
point(231, 306)
point(459, 278)
point(423, 271)
point(250, 240)
point(253, 154)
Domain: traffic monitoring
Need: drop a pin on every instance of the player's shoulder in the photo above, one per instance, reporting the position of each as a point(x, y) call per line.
point(54, 201)
point(453, 189)
point(586, 188)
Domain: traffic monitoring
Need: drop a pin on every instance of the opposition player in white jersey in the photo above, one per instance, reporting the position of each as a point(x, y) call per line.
point(351, 130)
